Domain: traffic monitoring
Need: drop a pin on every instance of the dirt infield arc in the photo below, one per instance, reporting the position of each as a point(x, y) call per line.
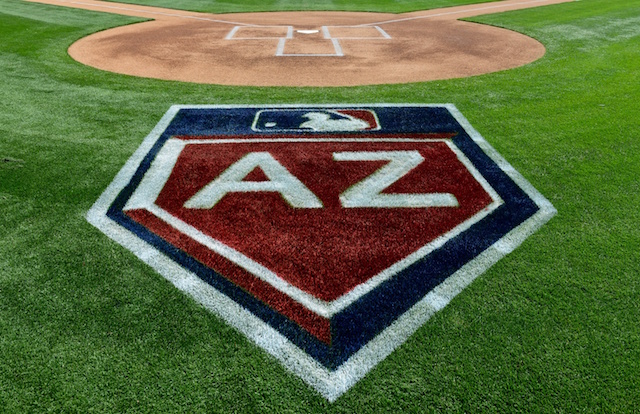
point(305, 48)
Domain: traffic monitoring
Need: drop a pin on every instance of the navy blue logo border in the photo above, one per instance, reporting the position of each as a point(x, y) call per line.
point(332, 369)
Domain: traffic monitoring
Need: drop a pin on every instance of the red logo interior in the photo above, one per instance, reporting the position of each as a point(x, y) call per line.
point(325, 251)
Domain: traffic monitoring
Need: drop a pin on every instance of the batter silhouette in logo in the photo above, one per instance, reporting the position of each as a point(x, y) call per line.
point(322, 121)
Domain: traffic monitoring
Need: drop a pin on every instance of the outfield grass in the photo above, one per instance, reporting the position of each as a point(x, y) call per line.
point(230, 6)
point(553, 327)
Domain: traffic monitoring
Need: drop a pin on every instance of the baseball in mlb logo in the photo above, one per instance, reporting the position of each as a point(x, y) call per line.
point(326, 234)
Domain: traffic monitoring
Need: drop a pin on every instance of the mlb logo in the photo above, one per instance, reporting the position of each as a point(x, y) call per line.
point(326, 234)
point(315, 120)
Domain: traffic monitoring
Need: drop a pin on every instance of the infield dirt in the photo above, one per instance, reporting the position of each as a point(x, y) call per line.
point(305, 48)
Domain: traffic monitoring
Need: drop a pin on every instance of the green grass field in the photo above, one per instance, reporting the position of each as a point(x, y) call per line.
point(227, 6)
point(553, 327)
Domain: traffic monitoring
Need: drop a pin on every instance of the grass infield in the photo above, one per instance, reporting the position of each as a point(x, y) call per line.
point(553, 327)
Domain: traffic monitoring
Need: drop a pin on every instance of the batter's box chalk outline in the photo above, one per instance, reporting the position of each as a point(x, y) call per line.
point(326, 33)
point(382, 34)
point(233, 34)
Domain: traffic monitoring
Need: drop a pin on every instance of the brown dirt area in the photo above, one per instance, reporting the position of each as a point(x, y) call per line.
point(305, 48)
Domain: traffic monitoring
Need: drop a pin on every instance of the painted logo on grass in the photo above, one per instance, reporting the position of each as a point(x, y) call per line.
point(326, 234)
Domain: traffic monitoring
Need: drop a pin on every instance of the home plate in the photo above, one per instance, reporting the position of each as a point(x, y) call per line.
point(307, 31)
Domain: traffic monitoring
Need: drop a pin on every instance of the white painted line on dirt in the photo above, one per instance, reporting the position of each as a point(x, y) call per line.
point(232, 33)
point(335, 42)
point(325, 32)
point(149, 12)
point(460, 11)
point(382, 32)
point(337, 47)
point(280, 49)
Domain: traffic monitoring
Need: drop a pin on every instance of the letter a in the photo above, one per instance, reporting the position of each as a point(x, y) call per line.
point(231, 181)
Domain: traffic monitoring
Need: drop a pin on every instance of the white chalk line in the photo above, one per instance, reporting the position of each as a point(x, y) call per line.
point(459, 11)
point(154, 13)
point(338, 51)
point(384, 34)
point(280, 49)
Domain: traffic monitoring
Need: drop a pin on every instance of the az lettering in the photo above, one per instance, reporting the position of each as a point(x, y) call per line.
point(368, 193)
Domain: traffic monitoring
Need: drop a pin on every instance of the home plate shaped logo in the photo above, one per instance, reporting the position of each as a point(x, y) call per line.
point(326, 234)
